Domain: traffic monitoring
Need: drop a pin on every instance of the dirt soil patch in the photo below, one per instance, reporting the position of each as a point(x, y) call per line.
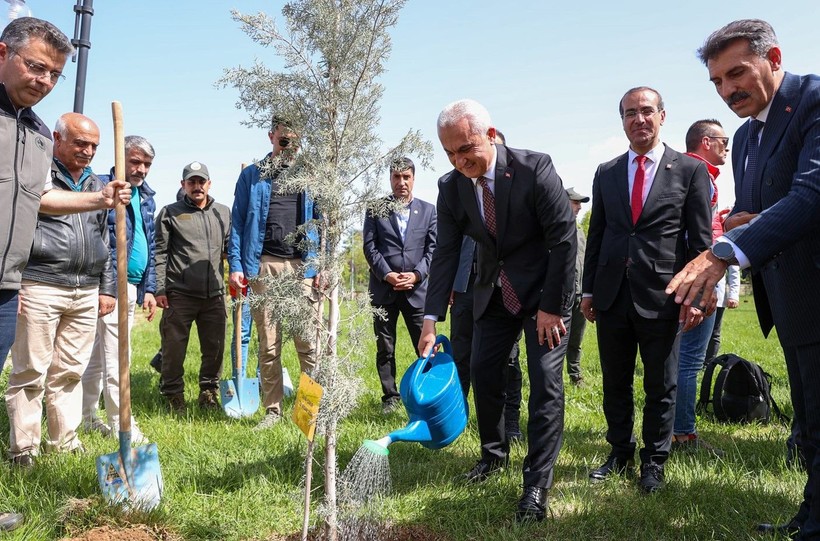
point(138, 532)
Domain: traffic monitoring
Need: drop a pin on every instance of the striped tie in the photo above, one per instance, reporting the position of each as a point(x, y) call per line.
point(508, 296)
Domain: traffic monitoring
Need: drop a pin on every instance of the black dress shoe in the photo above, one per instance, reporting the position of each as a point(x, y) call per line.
point(156, 362)
point(483, 469)
point(651, 477)
point(791, 529)
point(613, 465)
point(532, 505)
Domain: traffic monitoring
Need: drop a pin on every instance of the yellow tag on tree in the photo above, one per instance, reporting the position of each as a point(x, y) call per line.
point(306, 407)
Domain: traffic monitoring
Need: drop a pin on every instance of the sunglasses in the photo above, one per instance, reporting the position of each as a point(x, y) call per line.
point(285, 142)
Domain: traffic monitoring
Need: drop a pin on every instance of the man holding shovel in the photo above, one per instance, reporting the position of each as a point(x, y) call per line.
point(32, 55)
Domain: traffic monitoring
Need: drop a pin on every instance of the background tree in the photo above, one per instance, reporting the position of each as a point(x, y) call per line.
point(333, 52)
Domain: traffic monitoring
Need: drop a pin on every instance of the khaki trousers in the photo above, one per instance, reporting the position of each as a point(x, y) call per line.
point(103, 371)
point(270, 334)
point(55, 334)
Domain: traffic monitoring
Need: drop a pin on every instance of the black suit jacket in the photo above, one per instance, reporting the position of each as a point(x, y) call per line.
point(386, 252)
point(674, 226)
point(783, 244)
point(535, 236)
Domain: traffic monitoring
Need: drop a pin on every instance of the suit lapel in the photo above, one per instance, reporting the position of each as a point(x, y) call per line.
point(466, 194)
point(785, 101)
point(394, 220)
point(622, 179)
point(662, 174)
point(503, 186)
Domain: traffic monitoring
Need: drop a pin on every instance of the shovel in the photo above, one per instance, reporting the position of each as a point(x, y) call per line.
point(240, 395)
point(129, 476)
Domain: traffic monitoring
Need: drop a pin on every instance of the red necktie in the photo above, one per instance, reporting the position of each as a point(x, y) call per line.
point(508, 296)
point(637, 189)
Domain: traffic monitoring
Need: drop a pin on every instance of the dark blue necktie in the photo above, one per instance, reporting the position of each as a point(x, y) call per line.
point(750, 187)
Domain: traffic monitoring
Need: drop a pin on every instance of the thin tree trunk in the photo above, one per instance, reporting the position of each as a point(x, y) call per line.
point(318, 347)
point(331, 467)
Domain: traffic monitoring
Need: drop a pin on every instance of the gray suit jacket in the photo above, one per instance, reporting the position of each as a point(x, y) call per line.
point(386, 252)
point(783, 243)
point(675, 225)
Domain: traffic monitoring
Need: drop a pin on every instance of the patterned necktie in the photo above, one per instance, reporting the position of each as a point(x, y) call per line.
point(637, 189)
point(749, 186)
point(508, 296)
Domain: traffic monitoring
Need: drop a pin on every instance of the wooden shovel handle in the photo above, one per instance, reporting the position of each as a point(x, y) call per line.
point(122, 275)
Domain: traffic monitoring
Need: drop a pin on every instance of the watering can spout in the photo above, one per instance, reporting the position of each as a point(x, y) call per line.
point(417, 431)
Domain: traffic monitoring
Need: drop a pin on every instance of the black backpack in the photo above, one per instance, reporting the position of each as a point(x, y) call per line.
point(742, 391)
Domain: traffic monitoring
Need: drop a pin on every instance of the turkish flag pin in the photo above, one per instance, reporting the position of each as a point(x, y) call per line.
point(788, 108)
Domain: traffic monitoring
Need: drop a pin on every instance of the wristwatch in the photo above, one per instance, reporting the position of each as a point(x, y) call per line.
point(724, 251)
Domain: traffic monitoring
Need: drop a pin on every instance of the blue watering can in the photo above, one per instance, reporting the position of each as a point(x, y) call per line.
point(431, 394)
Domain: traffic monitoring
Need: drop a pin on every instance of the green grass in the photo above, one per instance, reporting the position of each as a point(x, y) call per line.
point(223, 481)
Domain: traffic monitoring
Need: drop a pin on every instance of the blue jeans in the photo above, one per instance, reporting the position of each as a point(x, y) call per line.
point(8, 322)
point(247, 325)
point(692, 353)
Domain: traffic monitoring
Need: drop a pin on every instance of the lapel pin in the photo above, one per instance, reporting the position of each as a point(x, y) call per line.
point(788, 108)
point(668, 166)
point(507, 174)
point(415, 212)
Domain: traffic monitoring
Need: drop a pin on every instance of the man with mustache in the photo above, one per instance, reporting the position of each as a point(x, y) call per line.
point(66, 284)
point(102, 373)
point(191, 236)
point(773, 228)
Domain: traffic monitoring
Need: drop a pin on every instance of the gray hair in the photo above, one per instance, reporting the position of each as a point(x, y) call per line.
point(699, 130)
point(639, 89)
point(758, 33)
point(475, 113)
point(17, 33)
point(137, 141)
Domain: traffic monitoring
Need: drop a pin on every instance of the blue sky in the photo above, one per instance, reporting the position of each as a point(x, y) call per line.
point(550, 73)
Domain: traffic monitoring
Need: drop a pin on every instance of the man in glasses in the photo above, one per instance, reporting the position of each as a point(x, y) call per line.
point(705, 141)
point(191, 236)
point(650, 215)
point(272, 234)
point(32, 55)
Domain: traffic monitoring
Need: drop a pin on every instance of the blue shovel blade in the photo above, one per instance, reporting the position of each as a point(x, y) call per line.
point(230, 399)
point(141, 487)
point(240, 397)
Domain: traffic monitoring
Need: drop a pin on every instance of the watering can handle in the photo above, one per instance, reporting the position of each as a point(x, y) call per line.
point(419, 368)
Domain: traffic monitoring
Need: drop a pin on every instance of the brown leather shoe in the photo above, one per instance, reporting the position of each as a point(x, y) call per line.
point(208, 399)
point(177, 403)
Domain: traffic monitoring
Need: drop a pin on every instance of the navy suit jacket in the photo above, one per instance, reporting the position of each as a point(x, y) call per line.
point(535, 241)
point(675, 225)
point(386, 252)
point(783, 243)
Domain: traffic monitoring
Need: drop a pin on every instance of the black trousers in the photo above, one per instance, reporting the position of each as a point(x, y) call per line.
point(804, 379)
point(461, 338)
point(385, 330)
point(621, 333)
point(210, 316)
point(494, 334)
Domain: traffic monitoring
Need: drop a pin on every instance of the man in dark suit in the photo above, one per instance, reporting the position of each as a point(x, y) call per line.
point(398, 238)
point(650, 215)
point(512, 203)
point(775, 226)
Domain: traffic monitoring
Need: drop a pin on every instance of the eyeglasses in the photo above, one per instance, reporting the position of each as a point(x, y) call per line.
point(285, 142)
point(197, 180)
point(645, 112)
point(724, 140)
point(39, 71)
